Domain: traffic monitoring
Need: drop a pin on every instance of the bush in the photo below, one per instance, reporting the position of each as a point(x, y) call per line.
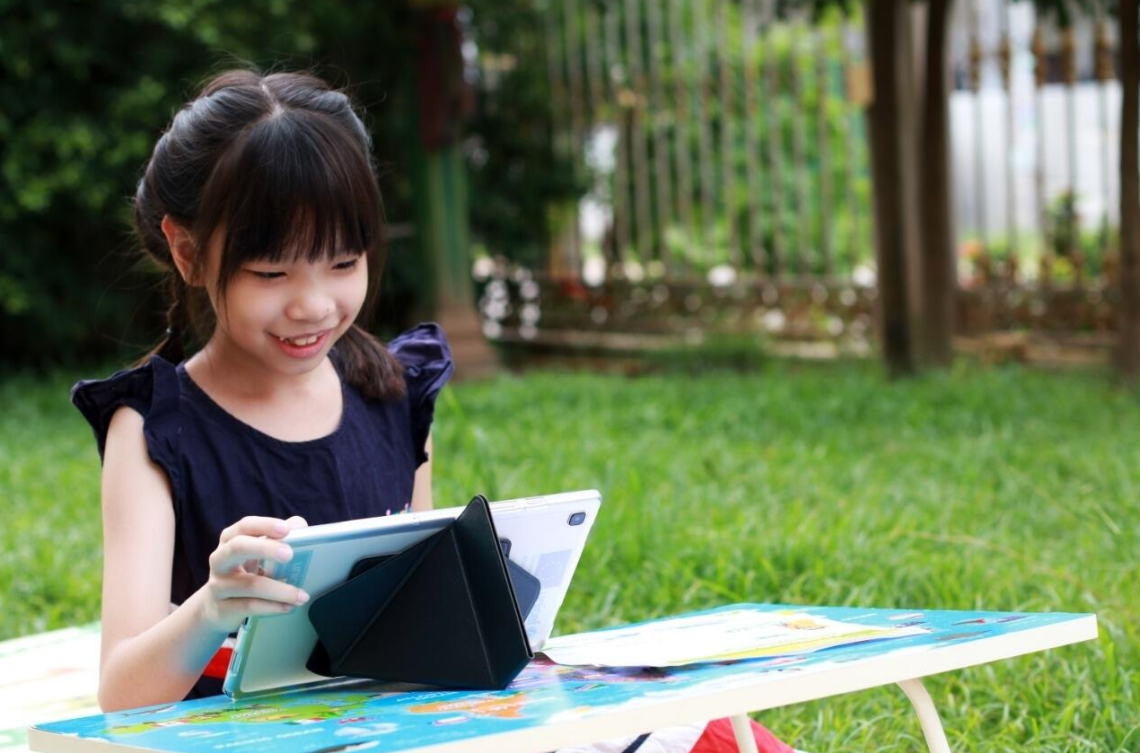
point(85, 90)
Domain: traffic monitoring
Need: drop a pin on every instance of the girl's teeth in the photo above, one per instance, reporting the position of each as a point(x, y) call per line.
point(301, 341)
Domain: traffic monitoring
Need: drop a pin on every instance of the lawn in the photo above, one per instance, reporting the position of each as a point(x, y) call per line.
point(994, 489)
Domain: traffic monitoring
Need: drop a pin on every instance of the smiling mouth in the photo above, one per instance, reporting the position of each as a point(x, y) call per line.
point(302, 340)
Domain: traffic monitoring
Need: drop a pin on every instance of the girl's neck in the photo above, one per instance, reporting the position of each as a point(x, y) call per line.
point(289, 407)
point(230, 370)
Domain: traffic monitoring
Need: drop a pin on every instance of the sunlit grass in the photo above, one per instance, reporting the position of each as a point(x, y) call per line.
point(1000, 489)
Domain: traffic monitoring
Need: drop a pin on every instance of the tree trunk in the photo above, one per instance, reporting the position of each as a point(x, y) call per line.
point(888, 23)
point(937, 268)
point(439, 180)
point(1128, 359)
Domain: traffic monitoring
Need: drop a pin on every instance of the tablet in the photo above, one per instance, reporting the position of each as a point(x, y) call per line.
point(542, 535)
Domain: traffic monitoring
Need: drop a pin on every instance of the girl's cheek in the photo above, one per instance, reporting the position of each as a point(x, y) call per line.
point(356, 294)
point(259, 305)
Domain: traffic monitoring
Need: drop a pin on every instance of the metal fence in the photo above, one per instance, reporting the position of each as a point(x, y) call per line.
point(1036, 134)
point(730, 179)
point(717, 138)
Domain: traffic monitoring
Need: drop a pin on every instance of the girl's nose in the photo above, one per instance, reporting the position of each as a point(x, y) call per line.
point(310, 306)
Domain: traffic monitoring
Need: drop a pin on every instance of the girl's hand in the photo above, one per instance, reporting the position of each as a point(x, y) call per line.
point(236, 588)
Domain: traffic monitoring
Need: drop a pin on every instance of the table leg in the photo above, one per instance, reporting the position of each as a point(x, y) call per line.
point(927, 715)
point(742, 729)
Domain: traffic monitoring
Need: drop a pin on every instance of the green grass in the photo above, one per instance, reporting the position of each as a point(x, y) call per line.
point(1002, 489)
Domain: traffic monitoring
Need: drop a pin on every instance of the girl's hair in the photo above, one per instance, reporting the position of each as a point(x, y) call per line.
point(281, 166)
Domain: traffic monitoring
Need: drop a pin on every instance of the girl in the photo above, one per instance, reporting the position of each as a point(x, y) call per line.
point(261, 203)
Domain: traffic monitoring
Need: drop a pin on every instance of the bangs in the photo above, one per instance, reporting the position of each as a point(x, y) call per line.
point(297, 186)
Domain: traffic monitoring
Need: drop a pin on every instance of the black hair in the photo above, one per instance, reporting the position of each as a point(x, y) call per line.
point(281, 165)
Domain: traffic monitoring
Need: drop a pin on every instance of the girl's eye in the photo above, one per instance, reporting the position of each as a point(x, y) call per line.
point(347, 264)
point(265, 275)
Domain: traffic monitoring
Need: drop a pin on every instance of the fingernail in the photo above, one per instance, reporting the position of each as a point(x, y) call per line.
point(284, 554)
point(302, 597)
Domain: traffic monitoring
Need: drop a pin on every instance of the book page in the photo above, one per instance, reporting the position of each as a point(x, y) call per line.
point(716, 637)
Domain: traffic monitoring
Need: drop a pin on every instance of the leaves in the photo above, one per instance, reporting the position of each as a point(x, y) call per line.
point(85, 90)
point(87, 87)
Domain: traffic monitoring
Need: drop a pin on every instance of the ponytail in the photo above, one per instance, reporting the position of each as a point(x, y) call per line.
point(172, 347)
point(148, 216)
point(368, 366)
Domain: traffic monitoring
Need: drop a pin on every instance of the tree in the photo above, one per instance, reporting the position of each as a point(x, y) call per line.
point(938, 279)
point(85, 92)
point(909, 125)
point(910, 157)
point(1128, 352)
point(892, 142)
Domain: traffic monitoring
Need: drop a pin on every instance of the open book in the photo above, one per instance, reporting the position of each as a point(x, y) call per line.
point(714, 637)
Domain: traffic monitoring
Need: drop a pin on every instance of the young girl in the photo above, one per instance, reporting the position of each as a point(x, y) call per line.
point(261, 203)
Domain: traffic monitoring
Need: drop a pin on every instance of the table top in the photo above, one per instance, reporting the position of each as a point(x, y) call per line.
point(550, 706)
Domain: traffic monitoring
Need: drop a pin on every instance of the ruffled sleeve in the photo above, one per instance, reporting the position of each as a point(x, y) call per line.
point(426, 356)
point(152, 390)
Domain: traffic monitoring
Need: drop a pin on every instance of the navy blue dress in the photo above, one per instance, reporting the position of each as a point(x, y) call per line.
point(221, 469)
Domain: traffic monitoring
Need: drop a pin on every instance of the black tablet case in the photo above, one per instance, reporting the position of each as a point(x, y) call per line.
point(442, 612)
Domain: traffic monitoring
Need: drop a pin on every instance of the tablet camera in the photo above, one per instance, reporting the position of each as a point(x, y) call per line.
point(577, 519)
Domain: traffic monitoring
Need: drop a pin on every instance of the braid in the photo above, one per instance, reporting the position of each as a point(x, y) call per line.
point(173, 348)
point(369, 366)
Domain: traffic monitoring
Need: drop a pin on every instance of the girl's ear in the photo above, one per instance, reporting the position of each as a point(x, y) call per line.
point(183, 250)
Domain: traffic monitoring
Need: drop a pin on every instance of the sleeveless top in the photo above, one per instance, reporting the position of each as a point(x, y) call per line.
point(221, 469)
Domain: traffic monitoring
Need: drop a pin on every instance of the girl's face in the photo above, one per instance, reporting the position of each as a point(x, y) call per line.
point(287, 315)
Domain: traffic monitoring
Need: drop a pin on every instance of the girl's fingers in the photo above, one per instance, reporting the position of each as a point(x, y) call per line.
point(253, 525)
point(244, 585)
point(250, 607)
point(296, 522)
point(235, 552)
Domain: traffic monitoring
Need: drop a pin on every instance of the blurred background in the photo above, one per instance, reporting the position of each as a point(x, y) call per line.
point(616, 176)
point(829, 299)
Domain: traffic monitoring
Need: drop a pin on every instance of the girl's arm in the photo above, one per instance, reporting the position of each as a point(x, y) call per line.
point(151, 654)
point(421, 491)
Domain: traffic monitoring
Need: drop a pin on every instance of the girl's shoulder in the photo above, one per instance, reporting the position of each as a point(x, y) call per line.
point(151, 389)
point(425, 354)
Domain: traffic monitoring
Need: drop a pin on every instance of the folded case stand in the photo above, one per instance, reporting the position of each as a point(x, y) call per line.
point(441, 612)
